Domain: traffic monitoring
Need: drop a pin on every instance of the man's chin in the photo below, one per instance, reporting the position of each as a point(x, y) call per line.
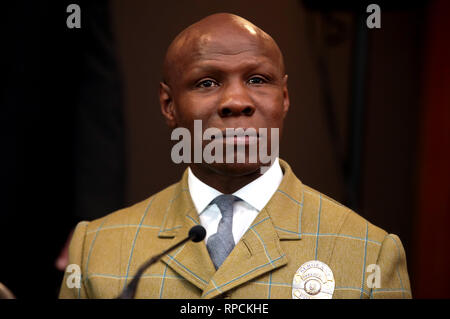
point(234, 169)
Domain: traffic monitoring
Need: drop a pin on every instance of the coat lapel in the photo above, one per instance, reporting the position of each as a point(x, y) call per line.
point(285, 208)
point(191, 260)
point(257, 252)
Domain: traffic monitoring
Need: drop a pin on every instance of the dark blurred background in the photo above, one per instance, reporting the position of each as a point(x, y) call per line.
point(82, 134)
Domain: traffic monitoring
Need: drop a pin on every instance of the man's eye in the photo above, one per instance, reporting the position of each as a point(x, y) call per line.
point(256, 80)
point(206, 84)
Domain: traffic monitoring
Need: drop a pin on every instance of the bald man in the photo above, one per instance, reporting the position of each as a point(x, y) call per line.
point(267, 234)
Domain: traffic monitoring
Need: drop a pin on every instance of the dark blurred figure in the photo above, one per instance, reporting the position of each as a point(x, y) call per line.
point(62, 140)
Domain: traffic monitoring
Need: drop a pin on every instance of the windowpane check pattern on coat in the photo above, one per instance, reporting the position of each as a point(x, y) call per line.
point(297, 225)
point(221, 243)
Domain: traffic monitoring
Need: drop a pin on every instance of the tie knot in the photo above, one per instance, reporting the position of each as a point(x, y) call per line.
point(225, 203)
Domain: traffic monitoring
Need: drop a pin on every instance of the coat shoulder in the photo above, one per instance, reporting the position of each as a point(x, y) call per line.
point(134, 214)
point(336, 218)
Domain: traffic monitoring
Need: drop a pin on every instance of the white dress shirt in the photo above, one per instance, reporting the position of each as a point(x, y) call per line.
point(254, 195)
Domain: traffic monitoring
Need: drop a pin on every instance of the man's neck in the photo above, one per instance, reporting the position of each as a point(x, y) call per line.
point(226, 184)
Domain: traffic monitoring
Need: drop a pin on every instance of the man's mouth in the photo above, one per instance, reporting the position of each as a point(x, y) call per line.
point(240, 136)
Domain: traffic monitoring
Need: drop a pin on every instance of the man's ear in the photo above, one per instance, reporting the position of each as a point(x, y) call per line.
point(167, 105)
point(286, 102)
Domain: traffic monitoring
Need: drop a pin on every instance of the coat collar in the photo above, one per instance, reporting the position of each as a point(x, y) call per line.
point(257, 252)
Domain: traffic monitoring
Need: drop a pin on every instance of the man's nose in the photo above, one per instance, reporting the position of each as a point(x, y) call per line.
point(236, 101)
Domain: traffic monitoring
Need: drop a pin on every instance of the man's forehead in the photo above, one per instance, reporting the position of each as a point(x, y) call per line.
point(214, 47)
point(227, 39)
point(218, 36)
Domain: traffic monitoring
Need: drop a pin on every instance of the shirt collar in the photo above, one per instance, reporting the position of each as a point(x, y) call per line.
point(257, 193)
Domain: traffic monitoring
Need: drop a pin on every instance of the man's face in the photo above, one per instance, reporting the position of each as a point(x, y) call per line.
point(230, 81)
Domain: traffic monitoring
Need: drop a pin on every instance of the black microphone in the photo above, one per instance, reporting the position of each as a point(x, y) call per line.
point(196, 234)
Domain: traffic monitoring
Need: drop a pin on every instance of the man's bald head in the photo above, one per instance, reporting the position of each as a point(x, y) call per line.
point(223, 33)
